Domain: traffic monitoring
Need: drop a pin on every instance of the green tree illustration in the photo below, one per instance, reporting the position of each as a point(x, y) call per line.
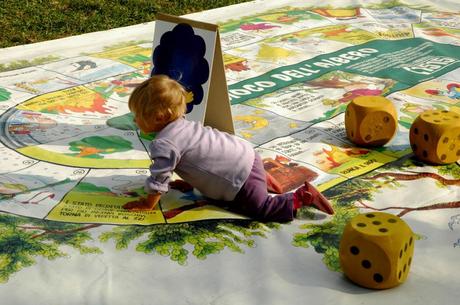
point(123, 122)
point(450, 169)
point(394, 3)
point(23, 239)
point(290, 15)
point(4, 94)
point(86, 187)
point(92, 147)
point(405, 170)
point(347, 197)
point(18, 64)
point(325, 237)
point(206, 237)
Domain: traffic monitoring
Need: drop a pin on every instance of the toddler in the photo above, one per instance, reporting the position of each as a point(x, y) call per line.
point(221, 166)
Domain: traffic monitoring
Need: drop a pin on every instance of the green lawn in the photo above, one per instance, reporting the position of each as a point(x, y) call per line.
point(28, 21)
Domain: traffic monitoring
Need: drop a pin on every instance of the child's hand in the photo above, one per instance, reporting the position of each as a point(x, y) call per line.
point(143, 204)
point(180, 185)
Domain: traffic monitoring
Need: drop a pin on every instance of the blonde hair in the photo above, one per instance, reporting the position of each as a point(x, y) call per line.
point(158, 98)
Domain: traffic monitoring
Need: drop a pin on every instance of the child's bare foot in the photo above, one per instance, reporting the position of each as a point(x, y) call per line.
point(308, 195)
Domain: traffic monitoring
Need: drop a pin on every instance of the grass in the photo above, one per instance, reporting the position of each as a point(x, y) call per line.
point(29, 21)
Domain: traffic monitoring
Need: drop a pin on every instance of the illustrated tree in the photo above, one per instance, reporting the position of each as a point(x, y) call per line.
point(94, 146)
point(20, 189)
point(451, 169)
point(4, 94)
point(207, 237)
point(126, 122)
point(397, 3)
point(349, 196)
point(325, 237)
point(288, 16)
point(23, 239)
point(123, 122)
point(22, 63)
point(391, 176)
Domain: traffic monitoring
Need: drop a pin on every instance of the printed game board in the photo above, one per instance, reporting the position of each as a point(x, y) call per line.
point(71, 156)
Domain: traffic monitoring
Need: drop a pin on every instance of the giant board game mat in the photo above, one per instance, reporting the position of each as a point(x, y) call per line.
point(71, 157)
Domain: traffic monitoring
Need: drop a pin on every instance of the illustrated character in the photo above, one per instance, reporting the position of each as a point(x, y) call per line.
point(340, 13)
point(238, 66)
point(34, 122)
point(336, 156)
point(39, 197)
point(251, 123)
point(9, 189)
point(97, 146)
point(257, 26)
point(284, 175)
point(353, 88)
point(411, 111)
point(453, 91)
point(352, 94)
point(84, 65)
point(439, 33)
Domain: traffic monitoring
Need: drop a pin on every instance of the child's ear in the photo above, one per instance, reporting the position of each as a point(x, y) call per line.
point(163, 117)
point(160, 117)
point(167, 116)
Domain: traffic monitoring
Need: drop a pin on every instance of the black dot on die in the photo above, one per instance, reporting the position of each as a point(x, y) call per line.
point(354, 250)
point(366, 264)
point(378, 277)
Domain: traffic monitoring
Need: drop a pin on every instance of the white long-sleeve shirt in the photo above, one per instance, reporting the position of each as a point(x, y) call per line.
point(214, 162)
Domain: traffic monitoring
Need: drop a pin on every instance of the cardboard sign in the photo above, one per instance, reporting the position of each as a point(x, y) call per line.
point(190, 52)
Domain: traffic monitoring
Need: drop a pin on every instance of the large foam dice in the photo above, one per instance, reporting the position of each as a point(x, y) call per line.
point(370, 120)
point(376, 250)
point(435, 136)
